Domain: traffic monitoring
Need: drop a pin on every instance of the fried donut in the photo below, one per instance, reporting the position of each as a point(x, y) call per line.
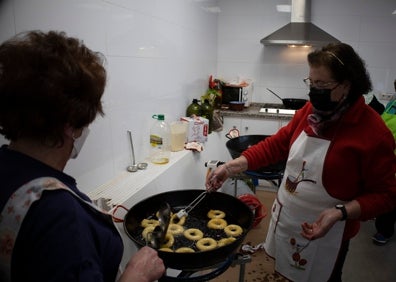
point(193, 234)
point(216, 214)
point(206, 244)
point(168, 241)
point(175, 229)
point(185, 250)
point(233, 230)
point(175, 220)
point(147, 230)
point(166, 250)
point(217, 223)
point(225, 241)
point(149, 222)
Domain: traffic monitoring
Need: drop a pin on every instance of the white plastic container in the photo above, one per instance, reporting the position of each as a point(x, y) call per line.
point(178, 135)
point(160, 140)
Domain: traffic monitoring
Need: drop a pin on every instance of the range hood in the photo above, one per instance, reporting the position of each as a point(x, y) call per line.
point(300, 31)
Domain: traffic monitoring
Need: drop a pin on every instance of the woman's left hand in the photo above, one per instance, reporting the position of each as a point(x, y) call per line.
point(321, 226)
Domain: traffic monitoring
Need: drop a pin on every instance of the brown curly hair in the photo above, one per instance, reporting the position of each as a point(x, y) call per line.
point(345, 65)
point(47, 81)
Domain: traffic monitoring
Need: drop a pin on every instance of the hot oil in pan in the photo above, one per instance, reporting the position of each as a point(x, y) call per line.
point(196, 220)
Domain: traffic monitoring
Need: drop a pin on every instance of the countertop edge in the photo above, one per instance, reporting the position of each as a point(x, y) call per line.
point(253, 111)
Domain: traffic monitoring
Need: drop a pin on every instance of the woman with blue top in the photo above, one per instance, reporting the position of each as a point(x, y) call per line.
point(50, 91)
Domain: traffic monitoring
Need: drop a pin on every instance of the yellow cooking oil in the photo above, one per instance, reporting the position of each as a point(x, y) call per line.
point(160, 141)
point(160, 160)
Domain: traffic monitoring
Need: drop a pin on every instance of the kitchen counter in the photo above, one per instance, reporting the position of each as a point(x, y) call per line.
point(254, 112)
point(128, 188)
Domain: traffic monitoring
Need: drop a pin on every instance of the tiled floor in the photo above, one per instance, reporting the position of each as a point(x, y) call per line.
point(365, 262)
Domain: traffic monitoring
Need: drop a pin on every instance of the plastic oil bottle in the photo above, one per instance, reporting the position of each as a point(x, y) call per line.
point(160, 140)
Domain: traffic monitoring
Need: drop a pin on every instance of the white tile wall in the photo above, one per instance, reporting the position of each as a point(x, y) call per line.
point(160, 54)
point(368, 26)
point(159, 57)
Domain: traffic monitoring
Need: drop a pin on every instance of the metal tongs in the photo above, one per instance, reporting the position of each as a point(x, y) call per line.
point(157, 237)
point(193, 204)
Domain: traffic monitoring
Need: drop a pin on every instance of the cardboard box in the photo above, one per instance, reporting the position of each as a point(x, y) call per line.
point(198, 128)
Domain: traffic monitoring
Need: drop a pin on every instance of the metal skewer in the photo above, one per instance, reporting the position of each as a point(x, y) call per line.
point(193, 204)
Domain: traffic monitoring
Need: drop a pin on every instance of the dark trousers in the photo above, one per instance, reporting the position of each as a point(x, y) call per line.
point(385, 223)
point(336, 275)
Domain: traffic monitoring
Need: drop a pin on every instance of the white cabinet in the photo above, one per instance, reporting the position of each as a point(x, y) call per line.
point(252, 126)
point(230, 123)
point(259, 126)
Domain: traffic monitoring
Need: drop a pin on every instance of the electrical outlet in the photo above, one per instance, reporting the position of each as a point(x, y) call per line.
point(385, 96)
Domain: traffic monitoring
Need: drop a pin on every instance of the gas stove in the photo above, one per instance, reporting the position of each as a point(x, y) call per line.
point(277, 111)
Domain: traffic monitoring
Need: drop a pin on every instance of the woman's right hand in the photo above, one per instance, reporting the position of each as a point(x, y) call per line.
point(144, 266)
point(216, 178)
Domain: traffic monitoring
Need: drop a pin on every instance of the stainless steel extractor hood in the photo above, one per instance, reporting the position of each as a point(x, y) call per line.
point(300, 31)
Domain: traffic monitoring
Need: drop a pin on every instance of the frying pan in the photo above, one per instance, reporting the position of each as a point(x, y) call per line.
point(291, 103)
point(236, 213)
point(239, 144)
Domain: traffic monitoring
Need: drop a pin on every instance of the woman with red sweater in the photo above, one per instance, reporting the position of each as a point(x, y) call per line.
point(340, 169)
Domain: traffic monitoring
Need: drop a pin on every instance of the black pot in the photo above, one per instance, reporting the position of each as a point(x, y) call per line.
point(291, 103)
point(236, 213)
point(239, 144)
point(294, 103)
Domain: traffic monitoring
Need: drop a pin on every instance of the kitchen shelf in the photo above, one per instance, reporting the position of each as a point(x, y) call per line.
point(126, 184)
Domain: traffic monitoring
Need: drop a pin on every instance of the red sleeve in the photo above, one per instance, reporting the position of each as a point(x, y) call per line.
point(361, 164)
point(379, 187)
point(275, 149)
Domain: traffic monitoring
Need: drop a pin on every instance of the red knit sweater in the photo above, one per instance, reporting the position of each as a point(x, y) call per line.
point(360, 163)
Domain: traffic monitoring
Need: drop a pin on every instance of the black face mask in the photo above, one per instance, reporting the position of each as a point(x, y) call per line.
point(321, 99)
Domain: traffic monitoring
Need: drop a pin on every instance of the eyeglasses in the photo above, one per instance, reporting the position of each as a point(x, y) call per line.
point(318, 84)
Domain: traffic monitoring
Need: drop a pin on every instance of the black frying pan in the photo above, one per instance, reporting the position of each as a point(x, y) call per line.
point(239, 144)
point(236, 211)
point(291, 103)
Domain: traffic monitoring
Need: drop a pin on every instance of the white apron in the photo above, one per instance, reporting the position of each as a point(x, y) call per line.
point(15, 211)
point(301, 198)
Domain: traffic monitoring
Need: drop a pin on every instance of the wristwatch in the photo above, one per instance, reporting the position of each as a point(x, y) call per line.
point(342, 208)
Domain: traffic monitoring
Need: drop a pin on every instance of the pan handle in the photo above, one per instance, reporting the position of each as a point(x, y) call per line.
point(185, 275)
point(233, 133)
point(113, 212)
point(275, 94)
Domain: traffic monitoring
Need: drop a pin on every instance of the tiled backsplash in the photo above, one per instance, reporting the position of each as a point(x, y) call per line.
point(160, 55)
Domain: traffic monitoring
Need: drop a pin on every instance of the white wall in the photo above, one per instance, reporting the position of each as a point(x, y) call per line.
point(368, 26)
point(161, 53)
point(159, 57)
